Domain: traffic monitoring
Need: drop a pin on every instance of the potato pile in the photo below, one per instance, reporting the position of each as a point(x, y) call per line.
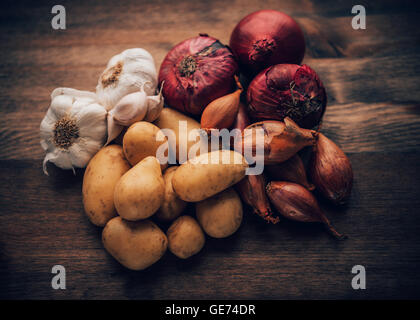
point(126, 189)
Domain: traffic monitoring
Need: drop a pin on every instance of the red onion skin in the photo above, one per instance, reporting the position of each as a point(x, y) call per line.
point(287, 90)
point(265, 38)
point(196, 72)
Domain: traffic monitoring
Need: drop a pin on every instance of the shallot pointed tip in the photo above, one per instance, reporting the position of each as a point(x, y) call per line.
point(331, 230)
point(267, 216)
point(238, 83)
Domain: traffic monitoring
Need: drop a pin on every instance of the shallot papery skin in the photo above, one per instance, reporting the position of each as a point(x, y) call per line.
point(295, 202)
point(291, 170)
point(282, 140)
point(265, 38)
point(330, 170)
point(287, 90)
point(242, 120)
point(196, 72)
point(252, 191)
point(221, 113)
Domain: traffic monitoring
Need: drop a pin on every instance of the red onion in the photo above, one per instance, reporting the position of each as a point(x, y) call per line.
point(287, 90)
point(265, 38)
point(196, 72)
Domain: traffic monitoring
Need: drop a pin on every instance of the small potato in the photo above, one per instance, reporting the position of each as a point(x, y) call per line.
point(185, 237)
point(140, 191)
point(101, 175)
point(182, 126)
point(220, 216)
point(208, 174)
point(140, 142)
point(172, 205)
point(135, 244)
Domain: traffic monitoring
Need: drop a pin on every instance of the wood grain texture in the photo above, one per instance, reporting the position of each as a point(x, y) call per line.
point(372, 79)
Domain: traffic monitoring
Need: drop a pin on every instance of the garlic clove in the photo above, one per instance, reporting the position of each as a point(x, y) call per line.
point(60, 158)
point(90, 120)
point(73, 93)
point(80, 153)
point(154, 106)
point(114, 129)
point(131, 108)
point(46, 130)
point(60, 105)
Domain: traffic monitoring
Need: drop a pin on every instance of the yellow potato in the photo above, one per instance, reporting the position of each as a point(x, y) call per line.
point(101, 175)
point(172, 205)
point(208, 174)
point(185, 237)
point(182, 126)
point(140, 191)
point(221, 215)
point(140, 142)
point(135, 244)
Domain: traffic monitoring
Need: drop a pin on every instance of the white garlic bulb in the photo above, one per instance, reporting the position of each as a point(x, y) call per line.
point(133, 107)
point(126, 73)
point(73, 129)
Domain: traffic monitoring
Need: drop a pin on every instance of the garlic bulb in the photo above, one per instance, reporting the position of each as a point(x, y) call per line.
point(126, 73)
point(73, 129)
point(131, 108)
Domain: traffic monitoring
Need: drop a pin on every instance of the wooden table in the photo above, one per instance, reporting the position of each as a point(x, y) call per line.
point(372, 79)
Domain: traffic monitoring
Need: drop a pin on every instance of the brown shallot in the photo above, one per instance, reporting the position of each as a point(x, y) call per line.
point(295, 202)
point(282, 140)
point(252, 192)
point(330, 170)
point(291, 170)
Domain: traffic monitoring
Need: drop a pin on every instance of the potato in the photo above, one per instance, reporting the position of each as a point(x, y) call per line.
point(185, 237)
point(140, 142)
point(140, 191)
point(172, 205)
point(135, 244)
point(221, 215)
point(206, 175)
point(101, 175)
point(172, 119)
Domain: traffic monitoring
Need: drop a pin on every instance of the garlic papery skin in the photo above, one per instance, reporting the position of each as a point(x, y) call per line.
point(154, 105)
point(73, 129)
point(132, 108)
point(126, 73)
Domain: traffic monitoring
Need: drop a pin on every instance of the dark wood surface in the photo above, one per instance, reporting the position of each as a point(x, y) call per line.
point(372, 79)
